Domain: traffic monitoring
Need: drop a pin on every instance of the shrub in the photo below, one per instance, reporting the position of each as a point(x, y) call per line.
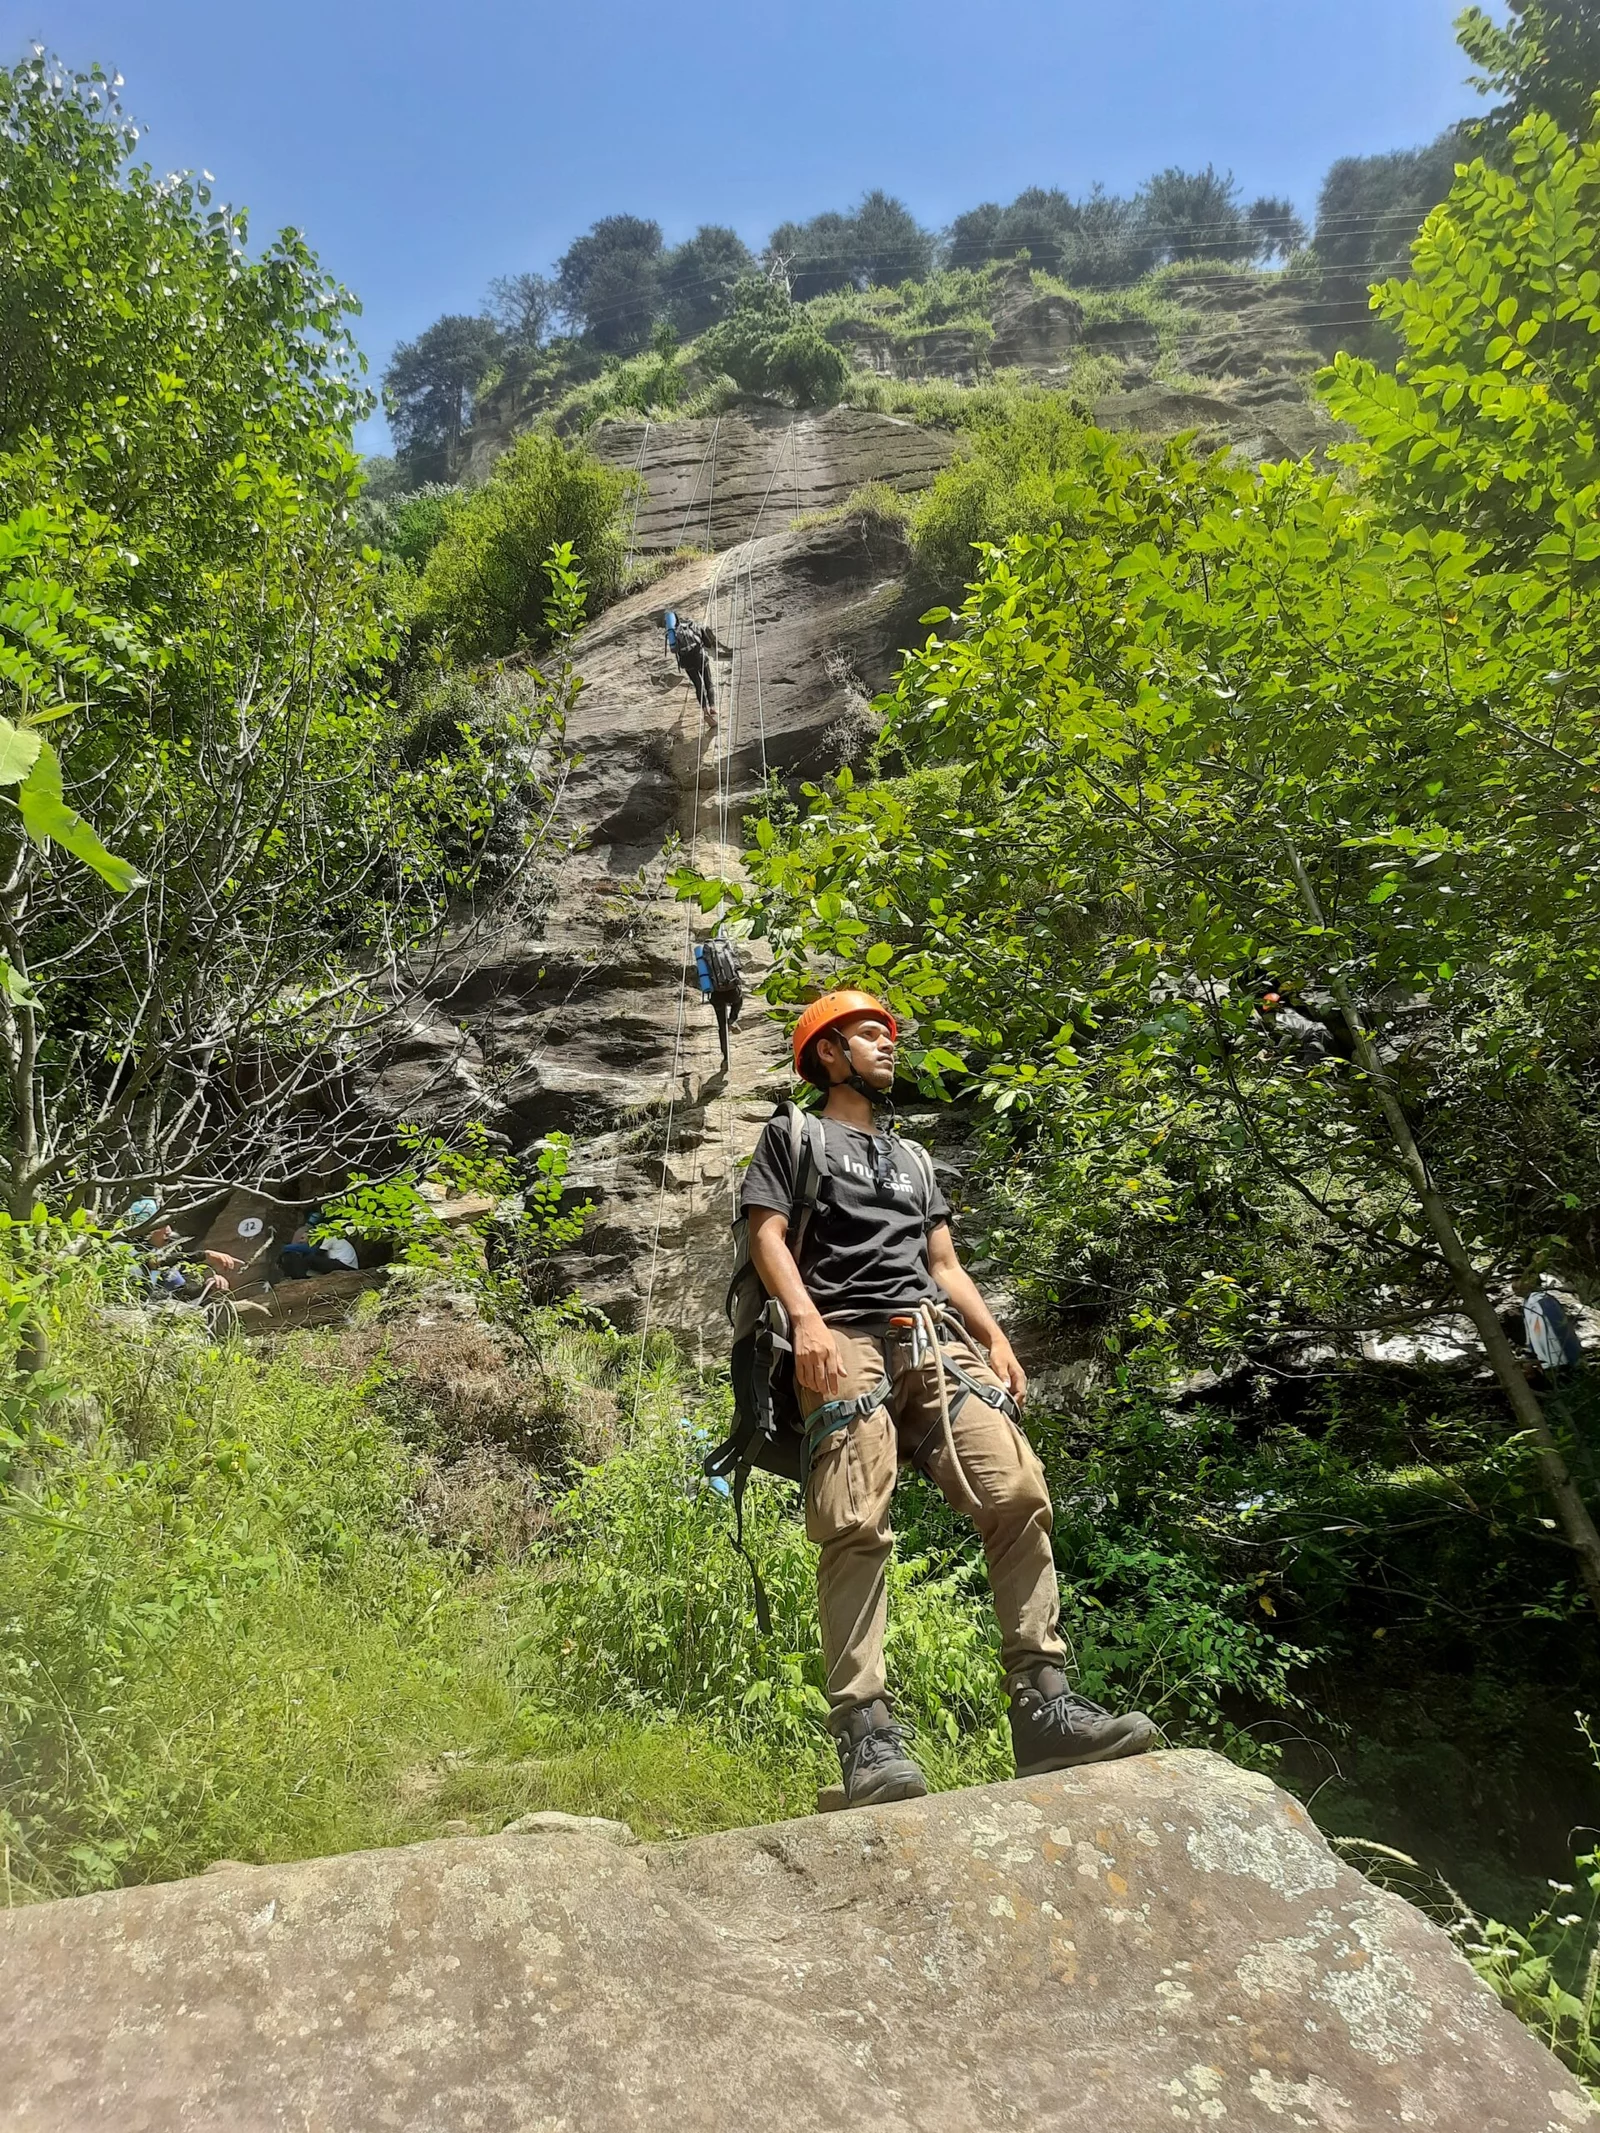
point(409, 524)
point(1006, 484)
point(484, 584)
point(769, 345)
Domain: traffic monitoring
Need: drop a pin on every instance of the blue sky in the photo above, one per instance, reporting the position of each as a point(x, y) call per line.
point(425, 149)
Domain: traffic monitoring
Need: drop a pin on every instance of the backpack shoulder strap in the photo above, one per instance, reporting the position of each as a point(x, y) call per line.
point(922, 1162)
point(808, 1148)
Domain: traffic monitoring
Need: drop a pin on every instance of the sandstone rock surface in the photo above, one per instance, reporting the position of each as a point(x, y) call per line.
point(590, 1022)
point(722, 479)
point(1147, 1945)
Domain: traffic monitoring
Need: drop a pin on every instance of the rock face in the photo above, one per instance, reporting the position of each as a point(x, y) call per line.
point(589, 1021)
point(592, 1023)
point(736, 477)
point(1144, 1945)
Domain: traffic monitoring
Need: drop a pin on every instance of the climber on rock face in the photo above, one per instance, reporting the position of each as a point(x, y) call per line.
point(887, 1329)
point(722, 984)
point(686, 641)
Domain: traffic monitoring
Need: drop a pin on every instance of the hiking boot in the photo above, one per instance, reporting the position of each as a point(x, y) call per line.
point(872, 1758)
point(1054, 1728)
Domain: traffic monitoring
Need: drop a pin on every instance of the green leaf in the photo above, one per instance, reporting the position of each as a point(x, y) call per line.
point(19, 751)
point(49, 819)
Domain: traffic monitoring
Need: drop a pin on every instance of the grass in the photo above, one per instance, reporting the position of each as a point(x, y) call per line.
point(396, 1581)
point(228, 1632)
point(669, 386)
point(873, 500)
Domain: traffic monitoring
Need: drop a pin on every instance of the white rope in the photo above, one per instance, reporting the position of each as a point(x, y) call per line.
point(711, 492)
point(750, 595)
point(677, 1039)
point(725, 739)
point(711, 442)
point(633, 530)
point(931, 1330)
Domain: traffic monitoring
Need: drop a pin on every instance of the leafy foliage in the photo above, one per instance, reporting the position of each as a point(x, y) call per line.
point(1005, 484)
point(188, 608)
point(1490, 418)
point(699, 277)
point(429, 388)
point(483, 586)
point(768, 344)
point(609, 281)
point(878, 243)
point(1545, 59)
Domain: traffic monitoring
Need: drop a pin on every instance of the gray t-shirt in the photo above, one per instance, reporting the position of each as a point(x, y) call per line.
point(865, 1251)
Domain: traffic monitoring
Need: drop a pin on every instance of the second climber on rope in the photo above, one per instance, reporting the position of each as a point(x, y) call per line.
point(898, 1361)
point(721, 978)
point(689, 644)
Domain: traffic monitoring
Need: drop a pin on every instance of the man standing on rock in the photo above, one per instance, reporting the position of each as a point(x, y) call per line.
point(887, 1326)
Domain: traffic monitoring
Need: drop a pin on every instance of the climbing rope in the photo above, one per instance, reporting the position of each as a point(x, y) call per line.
point(711, 491)
point(638, 469)
point(725, 745)
point(677, 1039)
point(788, 445)
point(708, 453)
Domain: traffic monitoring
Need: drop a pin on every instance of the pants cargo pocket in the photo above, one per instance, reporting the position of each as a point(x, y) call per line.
point(834, 1494)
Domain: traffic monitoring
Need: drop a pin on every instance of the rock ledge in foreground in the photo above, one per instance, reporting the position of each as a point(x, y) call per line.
point(1152, 1944)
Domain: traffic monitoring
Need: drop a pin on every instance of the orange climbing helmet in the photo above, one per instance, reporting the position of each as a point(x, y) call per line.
point(835, 1007)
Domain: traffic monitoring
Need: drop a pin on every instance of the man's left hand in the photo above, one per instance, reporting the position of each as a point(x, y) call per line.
point(1008, 1370)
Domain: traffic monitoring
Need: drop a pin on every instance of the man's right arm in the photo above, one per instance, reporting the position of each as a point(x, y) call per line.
point(818, 1364)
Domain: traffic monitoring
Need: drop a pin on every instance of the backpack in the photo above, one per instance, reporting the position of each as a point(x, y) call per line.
point(688, 643)
point(718, 965)
point(768, 1430)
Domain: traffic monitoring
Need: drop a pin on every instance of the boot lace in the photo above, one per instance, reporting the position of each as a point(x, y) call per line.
point(881, 1744)
point(1069, 1710)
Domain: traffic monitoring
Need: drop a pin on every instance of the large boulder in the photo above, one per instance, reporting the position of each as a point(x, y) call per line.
point(1155, 1944)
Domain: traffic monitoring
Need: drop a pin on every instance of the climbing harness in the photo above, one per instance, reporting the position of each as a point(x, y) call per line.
point(768, 1428)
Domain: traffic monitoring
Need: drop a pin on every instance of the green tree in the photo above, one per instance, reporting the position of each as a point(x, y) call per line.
point(1489, 421)
point(610, 282)
point(878, 244)
point(768, 344)
point(483, 587)
point(429, 388)
point(891, 246)
point(524, 307)
point(698, 277)
point(1096, 242)
point(177, 483)
point(972, 240)
point(1370, 207)
point(1275, 227)
point(1041, 223)
point(1193, 214)
point(1545, 59)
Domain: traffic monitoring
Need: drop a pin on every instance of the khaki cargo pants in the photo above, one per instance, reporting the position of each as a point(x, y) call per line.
point(852, 1480)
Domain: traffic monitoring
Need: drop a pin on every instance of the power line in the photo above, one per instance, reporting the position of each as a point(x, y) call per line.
point(1349, 221)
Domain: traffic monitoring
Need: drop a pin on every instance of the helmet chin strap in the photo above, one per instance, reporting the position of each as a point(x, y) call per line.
point(880, 1099)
